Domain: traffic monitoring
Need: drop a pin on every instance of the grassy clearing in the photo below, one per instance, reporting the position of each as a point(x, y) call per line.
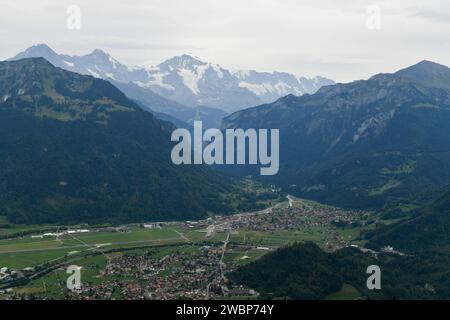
point(21, 260)
point(349, 233)
point(405, 168)
point(28, 252)
point(347, 292)
point(391, 184)
point(54, 283)
point(279, 238)
point(22, 245)
point(117, 237)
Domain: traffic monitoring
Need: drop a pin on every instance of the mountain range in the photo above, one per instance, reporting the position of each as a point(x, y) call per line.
point(74, 148)
point(186, 79)
point(365, 144)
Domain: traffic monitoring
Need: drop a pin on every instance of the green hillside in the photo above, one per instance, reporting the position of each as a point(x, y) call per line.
point(74, 149)
point(428, 228)
point(305, 272)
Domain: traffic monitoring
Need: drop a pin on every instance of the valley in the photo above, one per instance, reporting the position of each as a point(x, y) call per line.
point(211, 234)
point(177, 259)
point(209, 152)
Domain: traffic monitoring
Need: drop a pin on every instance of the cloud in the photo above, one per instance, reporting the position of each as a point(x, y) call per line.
point(441, 16)
point(308, 37)
point(137, 44)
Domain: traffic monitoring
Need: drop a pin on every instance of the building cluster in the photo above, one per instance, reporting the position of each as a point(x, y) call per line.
point(296, 218)
point(184, 274)
point(7, 274)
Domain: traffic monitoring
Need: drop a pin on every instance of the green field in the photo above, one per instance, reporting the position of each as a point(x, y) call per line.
point(19, 253)
point(279, 238)
point(24, 252)
point(347, 292)
point(29, 259)
point(52, 284)
point(99, 238)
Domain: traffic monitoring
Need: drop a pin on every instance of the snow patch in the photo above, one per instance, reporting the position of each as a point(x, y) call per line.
point(241, 74)
point(258, 89)
point(218, 70)
point(70, 64)
point(157, 80)
point(282, 88)
point(93, 73)
point(113, 61)
point(190, 80)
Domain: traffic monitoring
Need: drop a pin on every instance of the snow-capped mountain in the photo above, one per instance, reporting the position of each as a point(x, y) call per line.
point(191, 81)
point(272, 86)
point(187, 80)
point(97, 63)
point(197, 83)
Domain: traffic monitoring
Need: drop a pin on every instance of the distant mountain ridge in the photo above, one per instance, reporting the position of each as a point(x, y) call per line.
point(166, 109)
point(362, 144)
point(186, 79)
point(427, 73)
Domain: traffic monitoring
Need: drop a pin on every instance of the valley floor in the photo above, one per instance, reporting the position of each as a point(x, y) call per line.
point(169, 260)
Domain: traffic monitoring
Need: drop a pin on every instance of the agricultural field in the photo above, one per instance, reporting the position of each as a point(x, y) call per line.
point(30, 252)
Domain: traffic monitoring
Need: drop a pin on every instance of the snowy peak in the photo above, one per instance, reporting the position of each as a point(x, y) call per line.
point(98, 63)
point(40, 49)
point(271, 86)
point(187, 79)
point(103, 58)
point(192, 81)
point(99, 54)
point(182, 62)
point(191, 69)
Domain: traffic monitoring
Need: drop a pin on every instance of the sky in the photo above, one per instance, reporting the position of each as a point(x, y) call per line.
point(341, 39)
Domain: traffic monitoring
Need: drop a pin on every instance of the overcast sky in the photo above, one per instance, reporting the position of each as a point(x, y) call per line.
point(334, 38)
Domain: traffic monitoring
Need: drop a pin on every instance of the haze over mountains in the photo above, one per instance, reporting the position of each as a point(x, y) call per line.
point(363, 144)
point(186, 79)
point(74, 148)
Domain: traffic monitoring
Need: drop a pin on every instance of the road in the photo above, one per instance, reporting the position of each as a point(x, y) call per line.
point(183, 236)
point(221, 264)
point(291, 200)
